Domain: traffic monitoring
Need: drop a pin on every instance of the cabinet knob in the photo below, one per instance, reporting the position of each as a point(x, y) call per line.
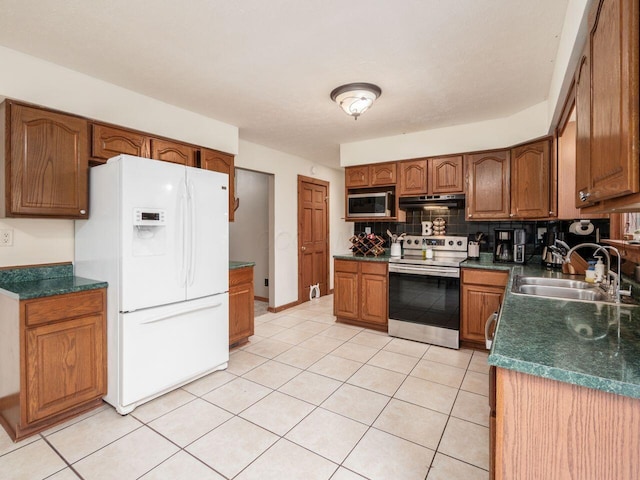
point(551, 212)
point(512, 215)
point(584, 195)
point(82, 212)
point(470, 215)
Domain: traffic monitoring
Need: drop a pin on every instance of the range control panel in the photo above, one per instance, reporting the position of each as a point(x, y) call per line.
point(458, 244)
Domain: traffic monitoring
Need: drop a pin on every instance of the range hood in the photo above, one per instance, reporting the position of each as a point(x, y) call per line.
point(432, 201)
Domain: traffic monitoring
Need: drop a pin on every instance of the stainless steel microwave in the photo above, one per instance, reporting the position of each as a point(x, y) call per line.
point(375, 204)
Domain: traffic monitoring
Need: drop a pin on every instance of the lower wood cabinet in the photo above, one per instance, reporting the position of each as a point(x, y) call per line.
point(361, 293)
point(481, 294)
point(546, 429)
point(59, 368)
point(241, 314)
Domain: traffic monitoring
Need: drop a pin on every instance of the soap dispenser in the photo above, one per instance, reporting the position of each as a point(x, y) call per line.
point(599, 268)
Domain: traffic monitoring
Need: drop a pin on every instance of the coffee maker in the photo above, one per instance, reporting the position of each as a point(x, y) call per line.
point(503, 246)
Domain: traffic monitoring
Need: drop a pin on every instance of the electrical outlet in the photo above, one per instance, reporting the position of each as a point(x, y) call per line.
point(367, 230)
point(541, 232)
point(266, 282)
point(6, 237)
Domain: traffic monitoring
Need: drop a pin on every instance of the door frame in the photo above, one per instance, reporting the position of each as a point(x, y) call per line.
point(315, 181)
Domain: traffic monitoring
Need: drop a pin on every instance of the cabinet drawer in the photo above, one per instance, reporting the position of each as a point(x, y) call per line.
point(350, 266)
point(374, 268)
point(62, 307)
point(239, 276)
point(484, 277)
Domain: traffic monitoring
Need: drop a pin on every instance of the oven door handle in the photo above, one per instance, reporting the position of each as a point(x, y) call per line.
point(430, 271)
point(493, 318)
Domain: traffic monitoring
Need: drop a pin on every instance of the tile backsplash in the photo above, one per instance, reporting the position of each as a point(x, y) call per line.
point(457, 225)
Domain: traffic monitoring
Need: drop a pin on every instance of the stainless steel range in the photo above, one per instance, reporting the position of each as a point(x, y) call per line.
point(424, 293)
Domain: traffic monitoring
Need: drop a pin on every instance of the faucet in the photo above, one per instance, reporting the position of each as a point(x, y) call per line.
point(613, 279)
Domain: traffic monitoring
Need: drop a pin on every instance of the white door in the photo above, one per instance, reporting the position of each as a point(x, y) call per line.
point(162, 348)
point(153, 270)
point(208, 233)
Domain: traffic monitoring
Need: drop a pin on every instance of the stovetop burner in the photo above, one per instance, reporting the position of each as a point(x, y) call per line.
point(448, 250)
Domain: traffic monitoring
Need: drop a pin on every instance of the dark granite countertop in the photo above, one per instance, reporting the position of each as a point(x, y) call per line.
point(234, 264)
point(44, 281)
point(364, 258)
point(594, 345)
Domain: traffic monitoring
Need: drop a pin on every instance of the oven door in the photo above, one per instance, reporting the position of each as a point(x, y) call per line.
point(424, 304)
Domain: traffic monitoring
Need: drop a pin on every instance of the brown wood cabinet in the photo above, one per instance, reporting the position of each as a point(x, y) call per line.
point(61, 368)
point(607, 104)
point(413, 177)
point(361, 293)
point(374, 175)
point(531, 180)
point(446, 175)
point(45, 160)
point(555, 430)
point(108, 141)
point(174, 152)
point(224, 163)
point(241, 312)
point(488, 177)
point(481, 294)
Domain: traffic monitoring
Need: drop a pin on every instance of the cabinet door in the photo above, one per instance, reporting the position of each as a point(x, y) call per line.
point(478, 303)
point(373, 299)
point(446, 175)
point(530, 180)
point(241, 315)
point(345, 297)
point(488, 185)
point(47, 170)
point(383, 174)
point(356, 176)
point(221, 162)
point(413, 177)
point(107, 142)
point(65, 365)
point(583, 131)
point(173, 152)
point(613, 66)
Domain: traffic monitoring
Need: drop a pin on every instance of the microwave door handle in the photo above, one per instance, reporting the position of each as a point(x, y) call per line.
point(493, 318)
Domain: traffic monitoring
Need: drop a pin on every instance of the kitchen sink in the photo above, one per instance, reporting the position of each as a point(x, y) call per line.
point(562, 288)
point(568, 293)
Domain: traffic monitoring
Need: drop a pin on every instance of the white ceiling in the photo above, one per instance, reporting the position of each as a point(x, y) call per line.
point(268, 66)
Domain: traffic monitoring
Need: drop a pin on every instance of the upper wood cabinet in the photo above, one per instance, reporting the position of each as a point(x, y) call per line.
point(433, 176)
point(446, 175)
point(378, 174)
point(531, 180)
point(488, 185)
point(174, 152)
point(221, 162)
point(45, 160)
point(413, 177)
point(108, 141)
point(607, 105)
point(356, 176)
point(382, 174)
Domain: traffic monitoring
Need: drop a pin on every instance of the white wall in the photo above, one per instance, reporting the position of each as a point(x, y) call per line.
point(285, 168)
point(249, 232)
point(498, 133)
point(32, 80)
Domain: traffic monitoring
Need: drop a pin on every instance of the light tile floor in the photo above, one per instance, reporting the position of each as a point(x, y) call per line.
point(306, 398)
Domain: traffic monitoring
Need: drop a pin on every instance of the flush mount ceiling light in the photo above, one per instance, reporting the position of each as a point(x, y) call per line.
point(356, 98)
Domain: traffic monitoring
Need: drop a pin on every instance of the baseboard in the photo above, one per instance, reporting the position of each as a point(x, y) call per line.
point(283, 307)
point(261, 299)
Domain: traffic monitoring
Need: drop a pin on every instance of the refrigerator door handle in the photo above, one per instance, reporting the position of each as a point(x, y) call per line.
point(191, 229)
point(182, 209)
point(162, 318)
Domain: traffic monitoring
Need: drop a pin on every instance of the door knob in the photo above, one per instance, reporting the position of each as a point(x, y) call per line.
point(303, 248)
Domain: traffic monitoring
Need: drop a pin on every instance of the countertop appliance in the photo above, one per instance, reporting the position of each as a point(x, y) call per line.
point(519, 245)
point(370, 204)
point(158, 233)
point(503, 246)
point(424, 294)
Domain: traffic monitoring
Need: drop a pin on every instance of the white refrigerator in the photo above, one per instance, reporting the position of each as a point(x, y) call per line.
point(158, 234)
